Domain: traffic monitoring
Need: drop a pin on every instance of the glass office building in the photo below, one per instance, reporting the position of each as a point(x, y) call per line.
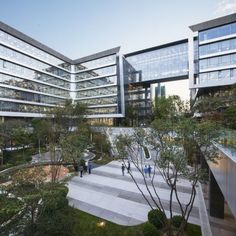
point(34, 78)
point(96, 84)
point(216, 53)
point(146, 70)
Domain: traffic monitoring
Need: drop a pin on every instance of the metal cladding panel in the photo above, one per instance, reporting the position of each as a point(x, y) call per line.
point(224, 171)
point(214, 23)
point(97, 55)
point(6, 28)
point(157, 47)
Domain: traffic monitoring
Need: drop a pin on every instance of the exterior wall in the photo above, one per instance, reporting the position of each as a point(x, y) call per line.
point(97, 84)
point(216, 55)
point(31, 81)
point(160, 63)
point(34, 78)
point(224, 172)
point(144, 69)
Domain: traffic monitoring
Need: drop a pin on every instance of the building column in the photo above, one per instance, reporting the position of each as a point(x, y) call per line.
point(216, 199)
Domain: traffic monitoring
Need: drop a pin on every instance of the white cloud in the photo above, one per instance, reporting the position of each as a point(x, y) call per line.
point(225, 7)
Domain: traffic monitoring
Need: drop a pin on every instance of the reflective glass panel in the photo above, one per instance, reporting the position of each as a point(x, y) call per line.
point(96, 63)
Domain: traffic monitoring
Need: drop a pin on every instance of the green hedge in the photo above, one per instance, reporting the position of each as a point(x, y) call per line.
point(157, 218)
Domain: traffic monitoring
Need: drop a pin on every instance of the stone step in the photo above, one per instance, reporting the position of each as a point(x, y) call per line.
point(136, 197)
point(103, 213)
point(109, 202)
point(159, 182)
point(130, 186)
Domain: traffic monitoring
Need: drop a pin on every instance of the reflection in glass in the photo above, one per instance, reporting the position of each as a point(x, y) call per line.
point(95, 73)
point(27, 84)
point(160, 63)
point(31, 74)
point(96, 63)
point(27, 96)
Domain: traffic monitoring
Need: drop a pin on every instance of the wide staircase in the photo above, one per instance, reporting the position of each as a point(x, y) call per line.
point(109, 195)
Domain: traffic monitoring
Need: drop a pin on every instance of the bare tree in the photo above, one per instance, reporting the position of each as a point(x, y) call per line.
point(175, 140)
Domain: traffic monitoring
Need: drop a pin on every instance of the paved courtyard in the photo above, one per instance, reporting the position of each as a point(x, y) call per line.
point(109, 195)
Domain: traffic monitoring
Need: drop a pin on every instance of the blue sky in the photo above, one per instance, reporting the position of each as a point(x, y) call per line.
point(78, 28)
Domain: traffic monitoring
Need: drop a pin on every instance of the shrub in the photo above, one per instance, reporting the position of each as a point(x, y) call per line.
point(157, 218)
point(176, 221)
point(150, 230)
point(82, 162)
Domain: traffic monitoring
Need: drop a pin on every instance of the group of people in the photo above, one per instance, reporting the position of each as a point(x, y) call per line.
point(123, 168)
point(86, 168)
point(147, 169)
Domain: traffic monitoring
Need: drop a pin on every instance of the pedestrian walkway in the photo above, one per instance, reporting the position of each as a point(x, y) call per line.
point(109, 195)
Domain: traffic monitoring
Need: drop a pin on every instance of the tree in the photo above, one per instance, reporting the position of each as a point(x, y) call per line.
point(229, 116)
point(13, 132)
point(41, 127)
point(28, 201)
point(68, 128)
point(102, 145)
point(73, 145)
point(175, 140)
point(21, 137)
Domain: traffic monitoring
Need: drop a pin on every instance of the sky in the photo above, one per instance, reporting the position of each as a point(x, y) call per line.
point(78, 28)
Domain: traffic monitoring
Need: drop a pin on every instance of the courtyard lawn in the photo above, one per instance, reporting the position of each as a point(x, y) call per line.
point(86, 225)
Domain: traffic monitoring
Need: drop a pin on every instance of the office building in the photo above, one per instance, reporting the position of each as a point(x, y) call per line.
point(34, 78)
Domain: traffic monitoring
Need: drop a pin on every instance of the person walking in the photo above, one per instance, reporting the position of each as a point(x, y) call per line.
point(89, 167)
point(128, 167)
point(149, 171)
point(123, 169)
point(145, 171)
point(81, 168)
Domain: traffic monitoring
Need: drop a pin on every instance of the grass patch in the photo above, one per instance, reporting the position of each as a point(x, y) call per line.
point(193, 230)
point(86, 225)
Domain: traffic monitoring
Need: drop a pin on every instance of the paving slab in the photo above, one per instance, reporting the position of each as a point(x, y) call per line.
point(109, 195)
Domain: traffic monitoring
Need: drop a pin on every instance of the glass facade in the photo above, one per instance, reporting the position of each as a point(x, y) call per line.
point(96, 73)
point(31, 97)
point(12, 68)
point(31, 80)
point(32, 63)
point(103, 110)
point(221, 75)
point(21, 107)
point(96, 63)
point(34, 78)
point(18, 44)
point(30, 85)
point(97, 92)
point(214, 62)
point(170, 61)
point(100, 101)
point(217, 59)
point(98, 87)
point(217, 32)
point(222, 46)
point(97, 82)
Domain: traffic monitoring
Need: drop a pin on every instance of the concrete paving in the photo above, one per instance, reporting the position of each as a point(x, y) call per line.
point(109, 195)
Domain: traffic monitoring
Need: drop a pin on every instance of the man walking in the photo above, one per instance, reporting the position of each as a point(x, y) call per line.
point(128, 167)
point(123, 169)
point(149, 171)
point(89, 167)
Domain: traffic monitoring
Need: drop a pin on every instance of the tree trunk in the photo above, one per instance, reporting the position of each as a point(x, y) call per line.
point(39, 147)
